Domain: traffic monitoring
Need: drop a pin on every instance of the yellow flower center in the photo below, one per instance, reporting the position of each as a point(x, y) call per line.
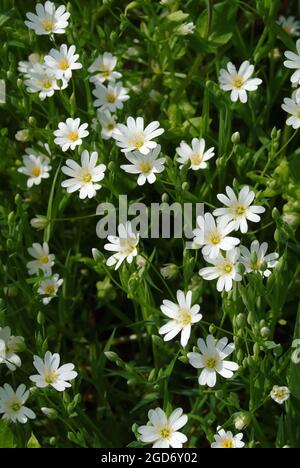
point(215, 239)
point(50, 289)
point(227, 443)
point(256, 265)
point(128, 246)
point(298, 112)
point(145, 166)
point(111, 126)
point(111, 97)
point(48, 24)
point(228, 267)
point(165, 432)
point(196, 159)
point(15, 406)
point(73, 136)
point(288, 29)
point(63, 64)
point(105, 73)
point(44, 259)
point(279, 393)
point(137, 141)
point(239, 210)
point(184, 317)
point(47, 84)
point(238, 81)
point(36, 171)
point(87, 177)
point(50, 377)
point(211, 363)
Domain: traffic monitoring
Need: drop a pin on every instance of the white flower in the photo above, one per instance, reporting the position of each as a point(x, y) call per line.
point(280, 394)
point(214, 236)
point(35, 168)
point(212, 360)
point(196, 154)
point(48, 19)
point(183, 315)
point(25, 66)
point(133, 136)
point(107, 122)
point(224, 268)
point(9, 346)
point(185, 29)
point(85, 177)
point(238, 208)
point(44, 261)
point(70, 133)
point(239, 82)
point(124, 246)
point(146, 165)
point(293, 62)
point(110, 97)
point(227, 440)
point(292, 106)
point(12, 404)
point(162, 430)
point(290, 25)
point(104, 66)
point(41, 79)
point(49, 287)
point(256, 257)
point(61, 62)
point(49, 372)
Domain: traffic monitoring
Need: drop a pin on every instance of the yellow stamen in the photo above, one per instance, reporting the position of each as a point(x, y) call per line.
point(211, 363)
point(87, 177)
point(228, 268)
point(165, 432)
point(184, 317)
point(145, 166)
point(137, 141)
point(36, 171)
point(227, 443)
point(73, 136)
point(48, 24)
point(50, 289)
point(196, 159)
point(239, 210)
point(63, 64)
point(44, 259)
point(50, 377)
point(105, 73)
point(111, 97)
point(47, 84)
point(15, 406)
point(215, 239)
point(238, 81)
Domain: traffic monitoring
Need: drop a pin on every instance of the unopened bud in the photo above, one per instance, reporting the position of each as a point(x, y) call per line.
point(235, 138)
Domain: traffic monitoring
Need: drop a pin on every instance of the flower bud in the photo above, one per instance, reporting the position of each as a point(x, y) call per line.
point(169, 271)
point(39, 223)
point(111, 356)
point(265, 332)
point(235, 138)
point(51, 413)
point(22, 135)
point(241, 320)
point(241, 420)
point(185, 186)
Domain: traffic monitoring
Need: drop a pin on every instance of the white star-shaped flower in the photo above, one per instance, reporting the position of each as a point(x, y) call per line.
point(239, 81)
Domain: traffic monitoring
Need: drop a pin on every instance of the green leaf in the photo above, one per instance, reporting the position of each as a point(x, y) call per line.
point(33, 442)
point(6, 435)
